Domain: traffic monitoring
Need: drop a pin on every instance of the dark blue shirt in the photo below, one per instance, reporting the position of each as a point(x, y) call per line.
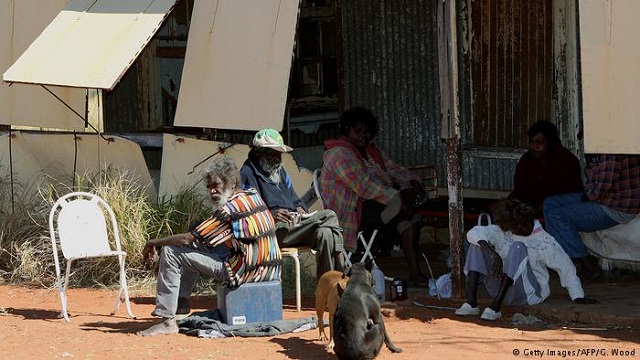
point(279, 195)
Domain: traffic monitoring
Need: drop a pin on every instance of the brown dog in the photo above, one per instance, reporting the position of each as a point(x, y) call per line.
point(327, 298)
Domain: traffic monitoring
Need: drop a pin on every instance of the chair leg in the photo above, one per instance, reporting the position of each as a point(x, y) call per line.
point(296, 265)
point(296, 261)
point(62, 289)
point(367, 248)
point(123, 288)
point(367, 245)
point(347, 258)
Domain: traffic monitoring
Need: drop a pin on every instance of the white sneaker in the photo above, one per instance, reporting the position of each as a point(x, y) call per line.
point(490, 314)
point(466, 310)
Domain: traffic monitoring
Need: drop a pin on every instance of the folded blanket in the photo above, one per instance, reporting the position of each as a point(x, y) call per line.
point(617, 247)
point(209, 324)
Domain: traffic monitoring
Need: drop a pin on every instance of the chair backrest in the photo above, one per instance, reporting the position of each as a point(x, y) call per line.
point(429, 175)
point(309, 197)
point(316, 186)
point(77, 221)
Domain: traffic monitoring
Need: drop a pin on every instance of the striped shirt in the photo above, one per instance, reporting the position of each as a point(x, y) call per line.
point(247, 229)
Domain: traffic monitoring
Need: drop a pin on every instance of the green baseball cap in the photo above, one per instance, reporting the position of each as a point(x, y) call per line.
point(270, 138)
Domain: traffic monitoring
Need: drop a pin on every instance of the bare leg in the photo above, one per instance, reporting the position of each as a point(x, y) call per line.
point(338, 261)
point(505, 284)
point(472, 288)
point(409, 241)
point(167, 326)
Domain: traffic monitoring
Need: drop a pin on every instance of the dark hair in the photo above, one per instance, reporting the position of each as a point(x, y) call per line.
point(513, 215)
point(226, 169)
point(548, 129)
point(358, 115)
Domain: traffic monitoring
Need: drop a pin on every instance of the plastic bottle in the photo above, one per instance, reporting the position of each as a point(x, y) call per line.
point(378, 278)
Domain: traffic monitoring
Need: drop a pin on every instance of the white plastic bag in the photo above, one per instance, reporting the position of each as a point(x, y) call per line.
point(443, 285)
point(484, 216)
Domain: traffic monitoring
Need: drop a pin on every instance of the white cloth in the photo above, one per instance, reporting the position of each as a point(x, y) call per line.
point(544, 252)
point(618, 246)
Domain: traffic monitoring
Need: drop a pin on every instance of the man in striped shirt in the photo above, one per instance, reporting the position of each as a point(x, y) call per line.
point(236, 244)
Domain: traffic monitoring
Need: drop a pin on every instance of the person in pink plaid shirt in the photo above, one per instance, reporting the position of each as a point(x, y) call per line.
point(367, 190)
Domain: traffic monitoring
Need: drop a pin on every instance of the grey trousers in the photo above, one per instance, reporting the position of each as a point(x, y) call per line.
point(320, 231)
point(480, 261)
point(179, 270)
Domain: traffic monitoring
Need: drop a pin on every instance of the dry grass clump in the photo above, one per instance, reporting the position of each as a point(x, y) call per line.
point(25, 244)
point(18, 203)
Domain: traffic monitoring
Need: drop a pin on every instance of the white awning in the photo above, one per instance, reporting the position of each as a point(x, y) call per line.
point(90, 44)
point(236, 71)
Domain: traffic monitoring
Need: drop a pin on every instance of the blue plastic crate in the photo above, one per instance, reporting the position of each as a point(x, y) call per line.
point(251, 302)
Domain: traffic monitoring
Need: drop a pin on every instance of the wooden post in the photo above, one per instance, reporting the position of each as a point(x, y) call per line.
point(450, 117)
point(337, 8)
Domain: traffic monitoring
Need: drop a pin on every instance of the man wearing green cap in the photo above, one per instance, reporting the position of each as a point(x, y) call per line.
point(320, 230)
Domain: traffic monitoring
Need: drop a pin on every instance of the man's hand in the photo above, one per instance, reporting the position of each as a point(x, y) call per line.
point(421, 193)
point(496, 268)
point(282, 215)
point(149, 254)
point(413, 196)
point(585, 301)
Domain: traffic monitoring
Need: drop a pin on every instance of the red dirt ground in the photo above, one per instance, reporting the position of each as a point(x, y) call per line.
point(30, 329)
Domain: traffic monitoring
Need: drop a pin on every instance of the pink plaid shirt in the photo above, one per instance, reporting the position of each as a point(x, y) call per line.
point(345, 180)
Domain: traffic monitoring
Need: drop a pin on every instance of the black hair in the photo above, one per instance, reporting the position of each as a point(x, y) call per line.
point(358, 115)
point(514, 215)
point(548, 129)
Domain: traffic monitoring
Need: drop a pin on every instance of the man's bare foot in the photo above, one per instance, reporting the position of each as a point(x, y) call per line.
point(168, 326)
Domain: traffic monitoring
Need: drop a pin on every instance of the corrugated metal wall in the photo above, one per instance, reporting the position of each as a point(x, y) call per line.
point(489, 170)
point(507, 52)
point(135, 104)
point(517, 55)
point(391, 67)
point(511, 69)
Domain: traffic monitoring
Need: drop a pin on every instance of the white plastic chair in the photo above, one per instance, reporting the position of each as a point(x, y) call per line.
point(77, 222)
point(366, 243)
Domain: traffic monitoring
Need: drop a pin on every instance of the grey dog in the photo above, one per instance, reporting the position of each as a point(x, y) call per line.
point(358, 324)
